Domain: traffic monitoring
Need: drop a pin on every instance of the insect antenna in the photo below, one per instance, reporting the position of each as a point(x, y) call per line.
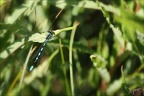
point(55, 19)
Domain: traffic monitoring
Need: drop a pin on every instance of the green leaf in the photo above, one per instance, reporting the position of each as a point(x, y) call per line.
point(36, 37)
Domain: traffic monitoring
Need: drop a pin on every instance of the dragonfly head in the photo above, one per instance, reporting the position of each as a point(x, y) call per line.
point(51, 32)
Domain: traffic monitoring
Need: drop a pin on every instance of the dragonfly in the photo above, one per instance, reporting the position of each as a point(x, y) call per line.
point(40, 50)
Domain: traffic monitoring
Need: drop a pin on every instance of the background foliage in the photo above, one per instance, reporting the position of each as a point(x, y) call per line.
point(99, 52)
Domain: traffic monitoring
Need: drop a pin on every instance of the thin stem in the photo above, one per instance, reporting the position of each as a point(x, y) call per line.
point(70, 59)
point(24, 70)
point(64, 69)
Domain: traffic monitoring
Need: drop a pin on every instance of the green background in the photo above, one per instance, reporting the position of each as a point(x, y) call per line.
point(99, 50)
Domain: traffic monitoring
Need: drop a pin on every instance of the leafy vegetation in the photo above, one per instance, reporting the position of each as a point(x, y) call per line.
point(97, 48)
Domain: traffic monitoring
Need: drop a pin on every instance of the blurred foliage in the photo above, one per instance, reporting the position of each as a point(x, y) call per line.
point(98, 50)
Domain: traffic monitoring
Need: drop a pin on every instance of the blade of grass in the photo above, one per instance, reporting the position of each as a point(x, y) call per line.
point(13, 83)
point(23, 71)
point(64, 69)
point(70, 58)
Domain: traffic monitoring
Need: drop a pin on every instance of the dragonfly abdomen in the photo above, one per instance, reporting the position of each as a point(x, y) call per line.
point(40, 51)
